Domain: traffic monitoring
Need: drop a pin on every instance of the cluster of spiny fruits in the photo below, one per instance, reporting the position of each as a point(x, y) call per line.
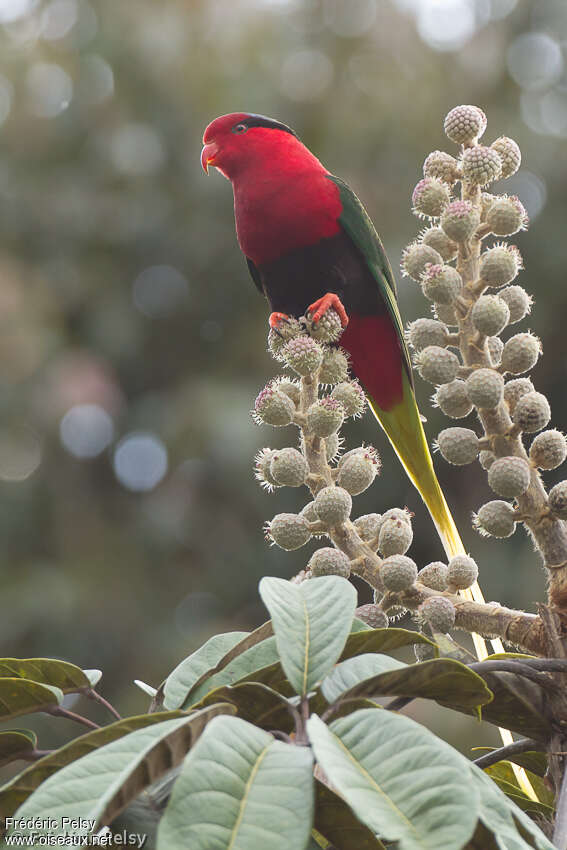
point(311, 352)
point(479, 310)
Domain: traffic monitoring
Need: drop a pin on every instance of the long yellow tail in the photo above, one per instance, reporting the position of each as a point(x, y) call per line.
point(404, 429)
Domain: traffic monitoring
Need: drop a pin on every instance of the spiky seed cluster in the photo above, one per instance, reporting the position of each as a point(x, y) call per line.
point(443, 166)
point(437, 239)
point(509, 477)
point(290, 387)
point(333, 505)
point(520, 353)
point(333, 445)
point(490, 315)
point(464, 124)
point(398, 573)
point(500, 265)
point(309, 512)
point(485, 388)
point(532, 413)
point(495, 348)
point(262, 463)
point(558, 500)
point(435, 576)
point(445, 313)
point(273, 407)
point(329, 562)
point(496, 518)
point(507, 216)
point(453, 400)
point(367, 526)
point(439, 612)
point(437, 365)
point(415, 258)
point(327, 329)
point(334, 368)
point(401, 514)
point(481, 166)
point(441, 283)
point(515, 389)
point(288, 531)
point(303, 354)
point(373, 616)
point(395, 536)
point(462, 572)
point(278, 337)
point(325, 416)
point(458, 446)
point(358, 472)
point(430, 197)
point(518, 301)
point(288, 467)
point(351, 395)
point(509, 153)
point(486, 201)
point(460, 220)
point(424, 332)
point(548, 450)
point(486, 459)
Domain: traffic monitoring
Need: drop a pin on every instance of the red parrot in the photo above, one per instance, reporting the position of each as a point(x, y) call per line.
point(310, 246)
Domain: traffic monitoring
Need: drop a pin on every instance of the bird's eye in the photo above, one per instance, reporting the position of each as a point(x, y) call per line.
point(239, 128)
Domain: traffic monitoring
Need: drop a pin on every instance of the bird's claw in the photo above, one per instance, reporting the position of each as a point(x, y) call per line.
point(277, 319)
point(331, 300)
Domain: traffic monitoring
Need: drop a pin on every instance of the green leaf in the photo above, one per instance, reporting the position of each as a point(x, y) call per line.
point(501, 817)
point(22, 696)
point(518, 705)
point(179, 683)
point(243, 666)
point(18, 789)
point(381, 640)
point(311, 623)
point(336, 822)
point(16, 742)
point(48, 671)
point(99, 785)
point(94, 676)
point(254, 702)
point(351, 672)
point(402, 781)
point(503, 772)
point(443, 679)
point(533, 761)
point(240, 789)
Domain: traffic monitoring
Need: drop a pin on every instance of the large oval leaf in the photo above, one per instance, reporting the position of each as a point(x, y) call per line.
point(335, 821)
point(49, 671)
point(311, 623)
point(240, 789)
point(99, 785)
point(243, 666)
point(15, 744)
point(443, 679)
point(501, 817)
point(255, 703)
point(22, 696)
point(353, 671)
point(180, 681)
point(518, 705)
point(381, 640)
point(18, 789)
point(402, 781)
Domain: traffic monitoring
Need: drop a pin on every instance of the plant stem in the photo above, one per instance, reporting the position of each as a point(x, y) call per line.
point(58, 711)
point(560, 830)
point(92, 694)
point(522, 746)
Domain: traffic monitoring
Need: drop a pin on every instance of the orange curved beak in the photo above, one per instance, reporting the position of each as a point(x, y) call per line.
point(208, 156)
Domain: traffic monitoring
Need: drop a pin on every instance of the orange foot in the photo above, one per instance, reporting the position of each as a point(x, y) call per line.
point(277, 319)
point(322, 305)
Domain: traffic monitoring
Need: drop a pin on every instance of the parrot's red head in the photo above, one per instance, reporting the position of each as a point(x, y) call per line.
point(236, 142)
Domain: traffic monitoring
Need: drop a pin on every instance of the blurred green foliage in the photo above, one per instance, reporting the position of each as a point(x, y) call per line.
point(130, 330)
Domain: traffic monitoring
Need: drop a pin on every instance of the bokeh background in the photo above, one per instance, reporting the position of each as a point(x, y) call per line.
point(132, 342)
